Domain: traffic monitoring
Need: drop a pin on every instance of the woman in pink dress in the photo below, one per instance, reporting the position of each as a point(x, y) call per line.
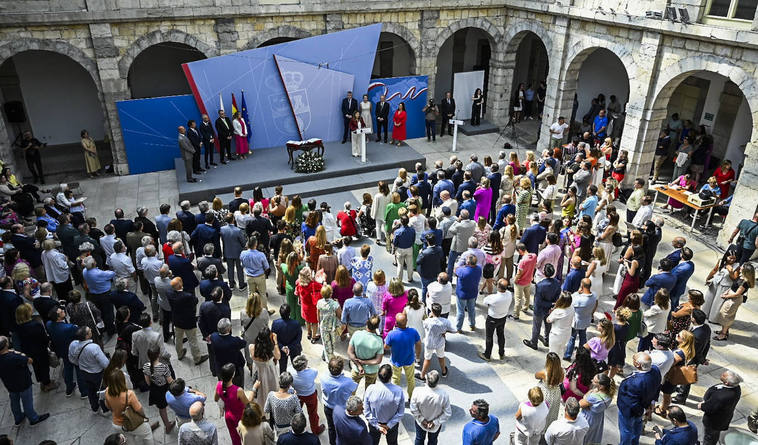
point(685, 182)
point(483, 198)
point(393, 303)
point(398, 124)
point(240, 136)
point(234, 399)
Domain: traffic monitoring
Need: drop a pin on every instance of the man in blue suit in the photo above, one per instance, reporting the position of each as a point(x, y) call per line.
point(546, 294)
point(9, 301)
point(664, 279)
point(534, 235)
point(186, 217)
point(468, 204)
point(182, 267)
point(120, 296)
point(682, 271)
point(442, 184)
point(467, 184)
point(207, 234)
point(349, 107)
point(635, 395)
point(213, 281)
point(234, 243)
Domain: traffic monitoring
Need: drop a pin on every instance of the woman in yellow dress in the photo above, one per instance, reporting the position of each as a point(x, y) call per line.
point(90, 155)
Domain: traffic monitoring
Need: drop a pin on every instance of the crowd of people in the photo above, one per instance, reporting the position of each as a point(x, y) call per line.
point(499, 229)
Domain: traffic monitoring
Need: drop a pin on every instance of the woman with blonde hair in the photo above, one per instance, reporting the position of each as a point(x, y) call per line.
point(291, 268)
point(506, 182)
point(308, 291)
point(402, 180)
point(315, 246)
point(617, 354)
point(218, 210)
point(596, 270)
point(560, 319)
point(600, 346)
point(342, 285)
point(378, 208)
point(509, 238)
point(117, 397)
point(683, 354)
point(530, 159)
point(34, 341)
point(252, 320)
point(531, 418)
point(514, 163)
point(593, 404)
point(329, 315)
point(523, 202)
point(483, 198)
point(375, 290)
point(242, 216)
point(550, 379)
point(391, 214)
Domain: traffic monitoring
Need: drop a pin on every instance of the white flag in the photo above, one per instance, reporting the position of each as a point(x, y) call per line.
point(221, 103)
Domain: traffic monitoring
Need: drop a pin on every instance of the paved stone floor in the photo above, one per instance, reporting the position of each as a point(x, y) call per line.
point(503, 384)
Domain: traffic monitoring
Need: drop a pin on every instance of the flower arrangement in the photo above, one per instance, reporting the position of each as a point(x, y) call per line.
point(309, 162)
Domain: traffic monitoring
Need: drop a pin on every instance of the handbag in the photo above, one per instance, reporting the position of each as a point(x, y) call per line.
point(682, 375)
point(53, 359)
point(620, 274)
point(98, 326)
point(132, 419)
point(617, 239)
point(643, 329)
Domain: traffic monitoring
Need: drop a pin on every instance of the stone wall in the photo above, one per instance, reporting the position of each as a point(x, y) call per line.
point(105, 36)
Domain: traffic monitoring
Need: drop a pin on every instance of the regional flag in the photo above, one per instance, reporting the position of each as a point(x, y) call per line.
point(245, 116)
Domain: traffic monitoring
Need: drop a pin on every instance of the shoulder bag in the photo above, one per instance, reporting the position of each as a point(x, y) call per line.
point(98, 326)
point(132, 419)
point(682, 375)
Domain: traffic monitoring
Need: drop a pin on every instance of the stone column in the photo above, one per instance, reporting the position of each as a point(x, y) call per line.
point(114, 88)
point(333, 23)
point(497, 91)
point(227, 35)
point(557, 101)
point(7, 153)
point(427, 57)
point(745, 199)
point(642, 123)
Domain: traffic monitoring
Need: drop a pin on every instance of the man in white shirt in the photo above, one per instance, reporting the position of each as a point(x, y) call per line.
point(430, 407)
point(645, 212)
point(122, 265)
point(556, 132)
point(498, 308)
point(571, 429)
point(107, 241)
point(447, 201)
point(661, 354)
point(440, 292)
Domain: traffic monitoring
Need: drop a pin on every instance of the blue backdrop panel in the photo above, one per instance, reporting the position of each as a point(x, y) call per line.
point(412, 91)
point(311, 90)
point(149, 128)
point(271, 120)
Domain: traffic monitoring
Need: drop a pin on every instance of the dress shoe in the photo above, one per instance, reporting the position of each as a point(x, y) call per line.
point(529, 344)
point(202, 359)
point(41, 418)
point(192, 180)
point(483, 357)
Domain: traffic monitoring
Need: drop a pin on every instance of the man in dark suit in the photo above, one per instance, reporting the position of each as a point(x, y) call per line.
point(208, 137)
point(211, 282)
point(212, 311)
point(207, 234)
point(382, 116)
point(123, 225)
point(121, 296)
point(186, 217)
point(197, 143)
point(718, 405)
point(349, 107)
point(182, 267)
point(263, 226)
point(183, 314)
point(26, 247)
point(447, 110)
point(226, 347)
point(224, 130)
point(701, 331)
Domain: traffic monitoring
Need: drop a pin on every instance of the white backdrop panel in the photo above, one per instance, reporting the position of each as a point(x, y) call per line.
point(464, 85)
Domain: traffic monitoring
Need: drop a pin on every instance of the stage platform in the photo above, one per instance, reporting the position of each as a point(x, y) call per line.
point(484, 127)
point(268, 168)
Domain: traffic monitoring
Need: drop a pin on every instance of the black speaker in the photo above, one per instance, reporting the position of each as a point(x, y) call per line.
point(14, 111)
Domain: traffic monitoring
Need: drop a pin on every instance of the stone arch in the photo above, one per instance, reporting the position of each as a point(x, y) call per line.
point(670, 77)
point(156, 37)
point(516, 32)
point(279, 31)
point(493, 31)
point(405, 34)
point(57, 46)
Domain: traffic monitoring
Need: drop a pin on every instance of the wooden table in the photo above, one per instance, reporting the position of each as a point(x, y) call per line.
point(310, 144)
point(681, 196)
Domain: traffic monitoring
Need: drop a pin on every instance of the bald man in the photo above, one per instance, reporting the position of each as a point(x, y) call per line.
point(188, 151)
point(184, 315)
point(405, 344)
point(199, 430)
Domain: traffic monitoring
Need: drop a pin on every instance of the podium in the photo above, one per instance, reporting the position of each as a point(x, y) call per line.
point(362, 132)
point(455, 123)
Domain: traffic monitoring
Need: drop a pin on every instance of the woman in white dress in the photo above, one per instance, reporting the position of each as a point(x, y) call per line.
point(381, 200)
point(719, 280)
point(366, 109)
point(605, 235)
point(530, 418)
point(415, 311)
point(596, 270)
point(561, 318)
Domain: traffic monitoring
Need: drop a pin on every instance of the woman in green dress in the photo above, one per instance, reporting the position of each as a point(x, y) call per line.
point(391, 214)
point(291, 270)
point(523, 202)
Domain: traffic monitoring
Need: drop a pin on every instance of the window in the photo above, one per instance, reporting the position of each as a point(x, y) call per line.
point(733, 9)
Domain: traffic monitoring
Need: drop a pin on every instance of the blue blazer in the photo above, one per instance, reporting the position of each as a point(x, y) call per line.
point(234, 241)
point(637, 391)
point(204, 234)
point(682, 272)
point(546, 293)
point(663, 280)
point(182, 267)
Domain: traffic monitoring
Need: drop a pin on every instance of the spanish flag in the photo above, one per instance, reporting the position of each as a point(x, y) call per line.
point(234, 106)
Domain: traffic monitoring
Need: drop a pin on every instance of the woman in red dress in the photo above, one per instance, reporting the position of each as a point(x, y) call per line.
point(632, 260)
point(308, 291)
point(398, 122)
point(724, 175)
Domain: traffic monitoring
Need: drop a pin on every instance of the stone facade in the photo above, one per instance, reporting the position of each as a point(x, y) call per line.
point(105, 36)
